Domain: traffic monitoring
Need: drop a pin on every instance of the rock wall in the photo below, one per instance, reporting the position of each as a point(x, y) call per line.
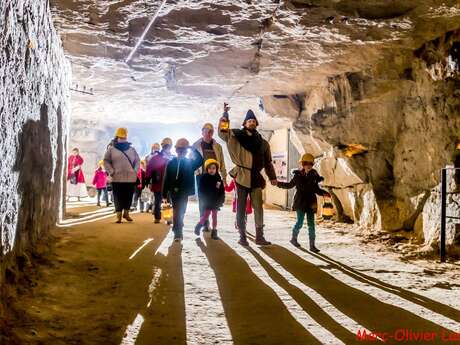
point(384, 133)
point(34, 97)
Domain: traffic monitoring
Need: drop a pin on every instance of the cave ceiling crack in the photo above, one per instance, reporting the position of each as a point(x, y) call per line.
point(254, 65)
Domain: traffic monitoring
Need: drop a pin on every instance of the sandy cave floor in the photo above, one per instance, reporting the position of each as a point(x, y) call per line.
point(107, 283)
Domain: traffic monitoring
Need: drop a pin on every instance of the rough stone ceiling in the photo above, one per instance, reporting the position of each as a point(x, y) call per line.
point(201, 53)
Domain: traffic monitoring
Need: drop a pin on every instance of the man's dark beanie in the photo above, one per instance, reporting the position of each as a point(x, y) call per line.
point(250, 115)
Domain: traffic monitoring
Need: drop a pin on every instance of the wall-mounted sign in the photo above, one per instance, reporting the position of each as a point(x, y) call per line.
point(280, 162)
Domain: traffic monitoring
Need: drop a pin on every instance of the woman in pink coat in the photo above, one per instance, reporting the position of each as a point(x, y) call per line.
point(100, 182)
point(76, 186)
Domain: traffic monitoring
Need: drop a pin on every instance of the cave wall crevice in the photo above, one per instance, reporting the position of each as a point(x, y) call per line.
point(34, 108)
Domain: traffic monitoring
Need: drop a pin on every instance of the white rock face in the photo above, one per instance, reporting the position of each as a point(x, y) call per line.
point(431, 216)
point(393, 127)
point(34, 102)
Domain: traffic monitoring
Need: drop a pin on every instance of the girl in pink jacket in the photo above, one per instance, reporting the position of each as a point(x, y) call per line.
point(100, 182)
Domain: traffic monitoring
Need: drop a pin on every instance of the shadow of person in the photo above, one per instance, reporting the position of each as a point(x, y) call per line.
point(165, 321)
point(365, 309)
point(423, 301)
point(34, 164)
point(254, 312)
point(307, 304)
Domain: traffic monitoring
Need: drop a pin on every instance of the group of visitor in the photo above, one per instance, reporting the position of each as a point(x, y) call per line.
point(163, 178)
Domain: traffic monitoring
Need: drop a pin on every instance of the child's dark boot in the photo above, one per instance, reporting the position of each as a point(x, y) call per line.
point(198, 229)
point(313, 247)
point(214, 234)
point(294, 241)
point(206, 226)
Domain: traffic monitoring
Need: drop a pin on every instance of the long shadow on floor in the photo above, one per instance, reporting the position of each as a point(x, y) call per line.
point(165, 321)
point(91, 290)
point(423, 301)
point(254, 312)
point(307, 304)
point(138, 276)
point(368, 311)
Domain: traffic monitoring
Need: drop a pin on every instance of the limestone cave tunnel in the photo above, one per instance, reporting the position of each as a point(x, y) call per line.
point(229, 172)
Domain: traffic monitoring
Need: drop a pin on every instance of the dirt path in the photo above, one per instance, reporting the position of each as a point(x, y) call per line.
point(130, 284)
point(92, 290)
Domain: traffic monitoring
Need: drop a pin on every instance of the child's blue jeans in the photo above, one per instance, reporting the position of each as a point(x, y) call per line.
point(310, 222)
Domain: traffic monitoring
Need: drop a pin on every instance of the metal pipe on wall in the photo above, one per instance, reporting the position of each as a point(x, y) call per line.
point(443, 214)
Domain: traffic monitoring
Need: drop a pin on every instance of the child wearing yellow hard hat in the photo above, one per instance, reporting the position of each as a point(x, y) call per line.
point(306, 181)
point(211, 193)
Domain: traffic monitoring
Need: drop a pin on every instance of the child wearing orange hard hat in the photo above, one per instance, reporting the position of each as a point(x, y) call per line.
point(306, 181)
